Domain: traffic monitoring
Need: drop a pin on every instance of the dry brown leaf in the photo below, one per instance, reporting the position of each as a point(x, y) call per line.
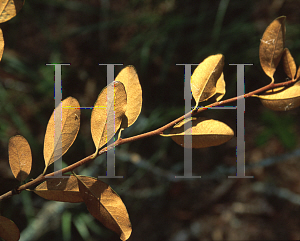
point(115, 107)
point(8, 230)
point(105, 205)
point(282, 98)
point(289, 64)
point(1, 44)
point(271, 46)
point(60, 189)
point(20, 158)
point(69, 130)
point(205, 133)
point(298, 74)
point(205, 77)
point(9, 9)
point(220, 88)
point(130, 79)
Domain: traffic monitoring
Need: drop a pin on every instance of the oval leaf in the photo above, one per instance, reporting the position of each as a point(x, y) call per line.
point(205, 133)
point(9, 9)
point(289, 64)
point(20, 159)
point(105, 205)
point(129, 78)
point(1, 44)
point(70, 124)
point(205, 77)
point(60, 189)
point(220, 88)
point(282, 99)
point(271, 46)
point(8, 230)
point(114, 106)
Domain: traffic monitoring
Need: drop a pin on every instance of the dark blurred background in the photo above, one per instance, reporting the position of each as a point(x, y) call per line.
point(153, 36)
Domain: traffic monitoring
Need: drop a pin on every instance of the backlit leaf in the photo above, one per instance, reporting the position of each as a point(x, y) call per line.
point(205, 133)
point(9, 9)
point(271, 46)
point(20, 158)
point(1, 44)
point(108, 108)
point(105, 205)
point(70, 124)
point(282, 98)
point(129, 78)
point(220, 88)
point(8, 230)
point(289, 64)
point(60, 189)
point(205, 77)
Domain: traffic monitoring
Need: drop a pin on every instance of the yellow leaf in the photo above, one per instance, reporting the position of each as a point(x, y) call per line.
point(9, 9)
point(220, 88)
point(115, 107)
point(20, 158)
point(105, 205)
point(1, 44)
point(205, 77)
point(129, 78)
point(70, 124)
point(205, 133)
point(60, 189)
point(282, 98)
point(8, 230)
point(271, 46)
point(289, 64)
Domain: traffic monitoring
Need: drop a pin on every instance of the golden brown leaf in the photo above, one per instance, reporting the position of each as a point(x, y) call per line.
point(298, 74)
point(114, 107)
point(69, 129)
point(20, 159)
point(271, 46)
point(60, 189)
point(205, 77)
point(205, 133)
point(1, 44)
point(8, 230)
point(129, 78)
point(220, 88)
point(9, 9)
point(105, 205)
point(282, 98)
point(289, 64)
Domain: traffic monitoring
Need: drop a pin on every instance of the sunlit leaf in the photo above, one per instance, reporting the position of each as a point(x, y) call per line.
point(60, 189)
point(205, 77)
point(70, 124)
point(8, 230)
point(289, 64)
point(105, 205)
point(272, 45)
point(1, 44)
point(205, 133)
point(298, 74)
point(20, 158)
point(220, 88)
point(282, 98)
point(108, 107)
point(9, 9)
point(129, 78)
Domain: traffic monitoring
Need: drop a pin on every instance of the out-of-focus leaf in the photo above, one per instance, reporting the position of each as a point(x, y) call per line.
point(8, 230)
point(220, 88)
point(271, 46)
point(70, 124)
point(20, 159)
point(108, 107)
point(298, 74)
point(289, 64)
point(105, 205)
point(1, 44)
point(130, 79)
point(60, 189)
point(9, 9)
point(282, 98)
point(205, 133)
point(205, 77)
